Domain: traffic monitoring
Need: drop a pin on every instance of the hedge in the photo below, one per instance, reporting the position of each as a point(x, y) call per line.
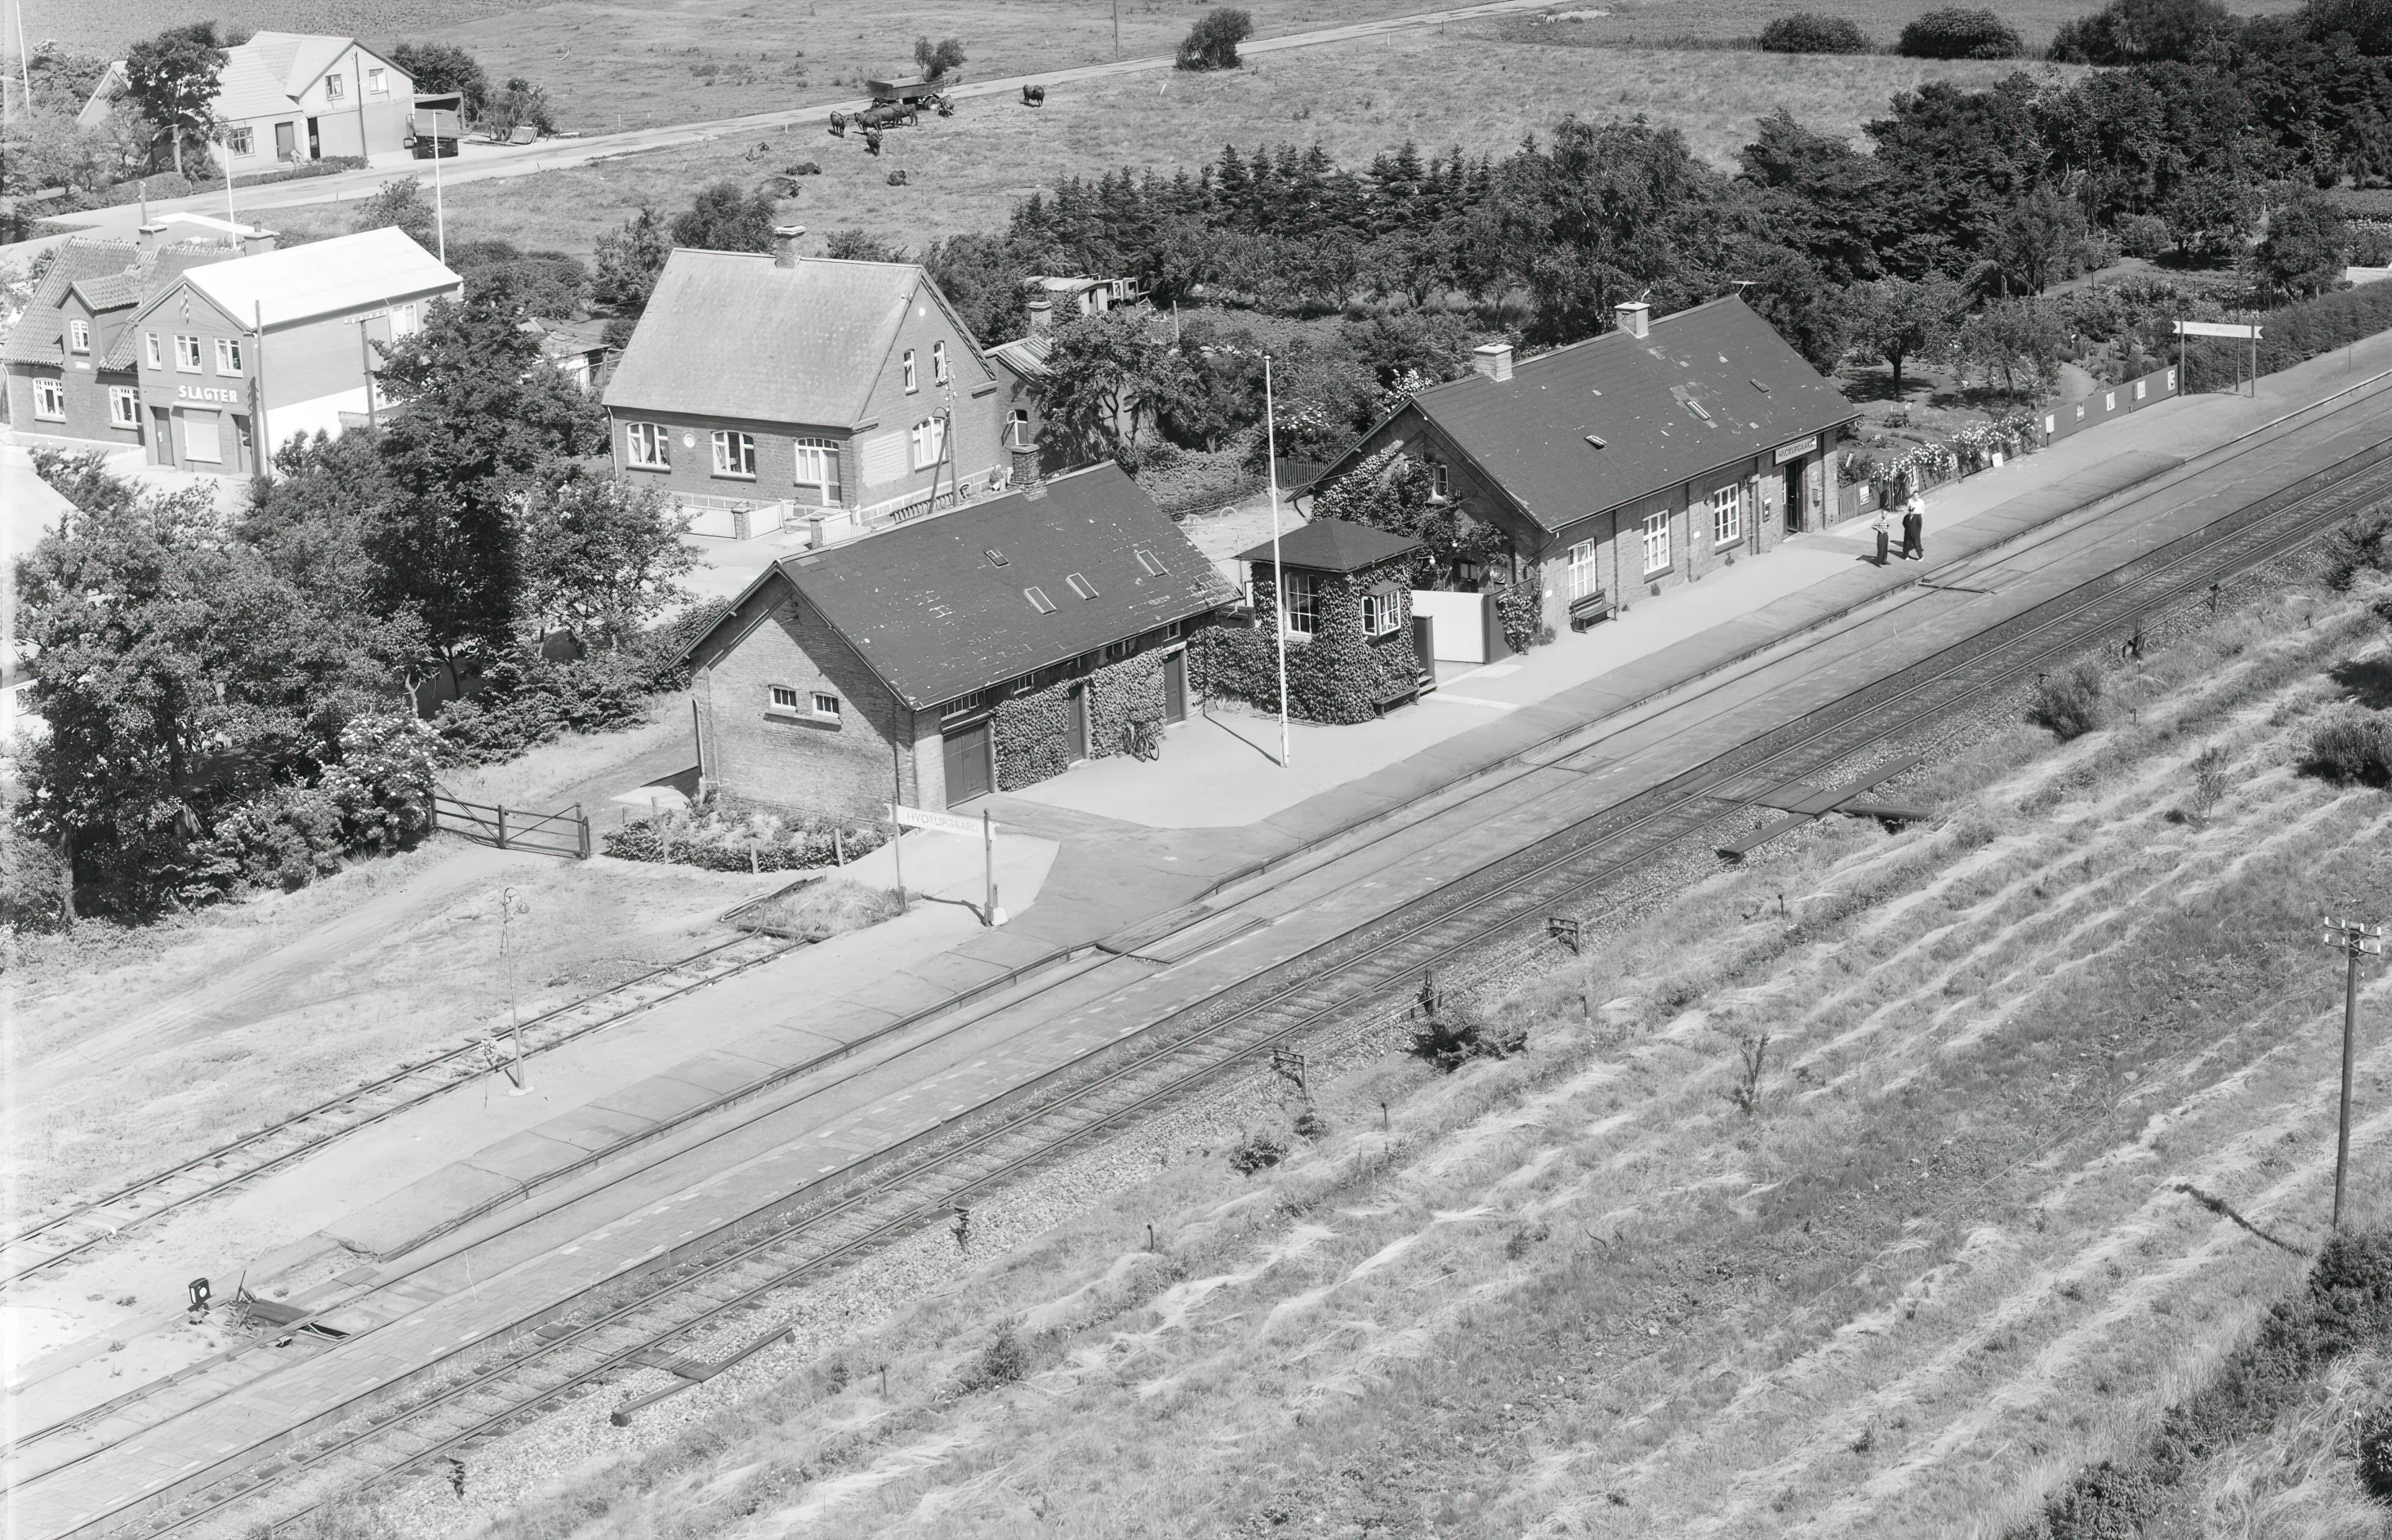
point(2293, 333)
point(722, 839)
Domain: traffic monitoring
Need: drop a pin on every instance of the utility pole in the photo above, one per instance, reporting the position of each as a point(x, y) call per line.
point(2355, 939)
point(1117, 31)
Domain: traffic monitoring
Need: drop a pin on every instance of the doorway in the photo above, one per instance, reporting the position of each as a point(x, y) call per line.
point(1175, 687)
point(315, 142)
point(970, 770)
point(1794, 509)
point(1075, 724)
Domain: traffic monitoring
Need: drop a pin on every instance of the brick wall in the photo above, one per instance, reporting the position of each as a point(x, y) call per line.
point(86, 401)
point(691, 470)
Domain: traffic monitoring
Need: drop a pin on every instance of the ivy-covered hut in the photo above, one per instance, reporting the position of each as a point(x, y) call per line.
point(1348, 614)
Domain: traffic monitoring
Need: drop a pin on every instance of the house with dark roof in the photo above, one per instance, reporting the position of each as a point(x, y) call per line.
point(1341, 592)
point(1649, 455)
point(758, 389)
point(935, 660)
point(284, 97)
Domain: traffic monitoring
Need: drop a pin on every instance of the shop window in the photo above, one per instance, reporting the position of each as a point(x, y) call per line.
point(735, 454)
point(647, 447)
point(818, 474)
point(51, 400)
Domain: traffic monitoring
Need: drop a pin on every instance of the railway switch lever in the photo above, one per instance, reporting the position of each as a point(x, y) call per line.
point(1563, 930)
point(201, 1295)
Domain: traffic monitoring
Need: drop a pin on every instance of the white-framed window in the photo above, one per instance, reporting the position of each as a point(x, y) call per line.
point(781, 700)
point(825, 706)
point(227, 355)
point(240, 141)
point(1038, 601)
point(1382, 612)
point(187, 355)
point(1657, 542)
point(378, 82)
point(908, 365)
point(1438, 486)
point(335, 88)
point(1016, 429)
point(735, 454)
point(51, 400)
point(1728, 513)
point(405, 321)
point(79, 335)
point(930, 437)
point(157, 358)
point(1584, 577)
point(939, 362)
point(818, 474)
point(1149, 562)
point(123, 406)
point(647, 447)
point(1302, 604)
point(1078, 582)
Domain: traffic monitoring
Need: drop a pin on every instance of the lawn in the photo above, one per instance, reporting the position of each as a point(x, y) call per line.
point(1439, 87)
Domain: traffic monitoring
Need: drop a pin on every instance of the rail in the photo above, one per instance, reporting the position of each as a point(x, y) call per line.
point(564, 832)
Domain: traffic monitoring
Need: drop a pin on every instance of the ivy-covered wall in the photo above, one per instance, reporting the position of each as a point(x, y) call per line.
point(1337, 677)
point(1032, 730)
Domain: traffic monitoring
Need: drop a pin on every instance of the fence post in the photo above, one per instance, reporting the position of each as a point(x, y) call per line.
point(582, 819)
point(502, 828)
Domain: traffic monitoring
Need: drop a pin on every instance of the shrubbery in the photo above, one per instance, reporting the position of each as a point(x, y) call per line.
point(521, 703)
point(728, 840)
point(2361, 543)
point(2372, 1439)
point(2351, 748)
point(2068, 703)
point(1211, 44)
point(1809, 32)
point(1957, 32)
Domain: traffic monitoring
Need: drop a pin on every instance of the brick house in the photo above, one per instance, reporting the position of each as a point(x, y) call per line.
point(1353, 651)
point(767, 387)
point(935, 660)
point(1649, 455)
point(285, 97)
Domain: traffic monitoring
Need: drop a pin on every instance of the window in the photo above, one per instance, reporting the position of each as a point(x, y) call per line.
point(1584, 576)
point(1016, 429)
point(908, 366)
point(79, 335)
point(378, 82)
point(1038, 601)
point(123, 406)
point(240, 141)
point(818, 474)
point(1657, 542)
point(1303, 606)
point(187, 355)
point(403, 321)
point(930, 439)
point(51, 400)
point(1150, 563)
point(647, 446)
point(1079, 584)
point(1436, 480)
point(334, 87)
point(963, 705)
point(1381, 612)
point(1728, 513)
point(735, 454)
point(782, 700)
point(825, 706)
point(227, 355)
point(997, 558)
point(939, 362)
point(157, 359)
point(1116, 650)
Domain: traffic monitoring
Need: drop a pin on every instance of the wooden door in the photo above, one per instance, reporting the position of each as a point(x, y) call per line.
point(1075, 724)
point(1175, 687)
point(970, 771)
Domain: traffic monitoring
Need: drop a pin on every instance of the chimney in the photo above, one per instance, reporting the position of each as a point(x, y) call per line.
point(1493, 360)
point(255, 241)
point(784, 244)
point(1042, 316)
point(152, 236)
point(1635, 318)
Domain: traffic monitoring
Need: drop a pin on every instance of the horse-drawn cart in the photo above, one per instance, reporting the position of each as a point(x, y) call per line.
point(898, 102)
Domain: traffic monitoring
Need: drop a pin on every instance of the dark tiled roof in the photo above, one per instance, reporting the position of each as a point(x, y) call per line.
point(1336, 544)
point(159, 271)
point(39, 336)
point(727, 334)
point(109, 293)
point(1025, 355)
point(1638, 395)
point(936, 618)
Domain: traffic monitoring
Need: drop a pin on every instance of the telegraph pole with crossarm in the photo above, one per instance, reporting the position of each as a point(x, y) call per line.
point(2355, 939)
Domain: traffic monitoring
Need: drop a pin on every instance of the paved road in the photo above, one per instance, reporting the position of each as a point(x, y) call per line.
point(487, 163)
point(422, 1310)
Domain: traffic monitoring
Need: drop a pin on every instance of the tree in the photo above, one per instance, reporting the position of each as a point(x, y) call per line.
point(480, 423)
point(857, 246)
point(725, 217)
point(517, 104)
point(1809, 32)
point(439, 69)
point(2368, 23)
point(630, 258)
point(1789, 292)
point(2304, 248)
point(1816, 193)
point(1897, 320)
point(936, 60)
point(173, 78)
point(2040, 240)
point(1211, 44)
point(1104, 377)
point(2142, 31)
point(2016, 343)
point(2207, 212)
point(984, 277)
point(1217, 392)
point(401, 205)
point(602, 559)
point(549, 285)
point(1959, 32)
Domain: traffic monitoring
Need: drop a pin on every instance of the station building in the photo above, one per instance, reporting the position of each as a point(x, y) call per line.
point(937, 659)
point(1647, 456)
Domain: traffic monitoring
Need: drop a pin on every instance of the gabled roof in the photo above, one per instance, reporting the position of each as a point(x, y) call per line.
point(39, 336)
point(1025, 355)
point(254, 84)
point(933, 612)
point(322, 277)
point(1705, 387)
point(108, 292)
point(1334, 545)
point(731, 334)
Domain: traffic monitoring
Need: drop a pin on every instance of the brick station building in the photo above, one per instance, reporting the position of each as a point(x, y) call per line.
point(938, 659)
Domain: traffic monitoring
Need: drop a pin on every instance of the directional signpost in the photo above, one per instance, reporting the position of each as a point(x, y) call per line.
point(904, 818)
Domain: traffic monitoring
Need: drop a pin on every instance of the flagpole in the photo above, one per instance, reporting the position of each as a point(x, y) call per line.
point(439, 220)
point(1278, 573)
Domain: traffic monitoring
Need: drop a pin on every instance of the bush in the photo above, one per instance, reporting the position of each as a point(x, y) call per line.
point(1809, 32)
point(285, 838)
point(2352, 747)
point(1255, 1152)
point(32, 881)
point(820, 909)
point(722, 840)
point(2292, 333)
point(2373, 1436)
point(2068, 703)
point(1959, 32)
point(1003, 1360)
point(382, 783)
point(2361, 543)
point(1454, 1031)
point(2143, 235)
point(1211, 44)
point(522, 704)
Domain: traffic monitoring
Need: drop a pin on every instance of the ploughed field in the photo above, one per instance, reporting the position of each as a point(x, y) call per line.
point(1906, 1266)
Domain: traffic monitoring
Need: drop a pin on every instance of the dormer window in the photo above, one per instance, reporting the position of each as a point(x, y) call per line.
point(79, 335)
point(907, 365)
point(1038, 601)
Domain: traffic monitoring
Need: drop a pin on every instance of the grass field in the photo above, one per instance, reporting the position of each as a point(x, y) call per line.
point(1723, 22)
point(1945, 1259)
point(1439, 88)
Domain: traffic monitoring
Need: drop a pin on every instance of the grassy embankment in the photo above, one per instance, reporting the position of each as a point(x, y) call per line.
point(1945, 1257)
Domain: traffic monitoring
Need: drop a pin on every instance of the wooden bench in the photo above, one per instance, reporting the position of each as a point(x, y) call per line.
point(1587, 611)
point(1402, 695)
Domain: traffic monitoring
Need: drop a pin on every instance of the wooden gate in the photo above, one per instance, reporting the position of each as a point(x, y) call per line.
point(557, 834)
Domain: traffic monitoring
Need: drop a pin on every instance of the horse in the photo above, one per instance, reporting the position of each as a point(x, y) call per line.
point(838, 124)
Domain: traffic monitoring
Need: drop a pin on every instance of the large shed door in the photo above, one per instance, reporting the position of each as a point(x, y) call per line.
point(968, 770)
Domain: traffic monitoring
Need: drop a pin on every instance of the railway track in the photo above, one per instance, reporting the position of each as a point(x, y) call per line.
point(1483, 913)
point(88, 1227)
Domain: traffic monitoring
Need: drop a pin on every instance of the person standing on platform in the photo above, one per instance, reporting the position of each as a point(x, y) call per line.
point(1914, 531)
point(1884, 538)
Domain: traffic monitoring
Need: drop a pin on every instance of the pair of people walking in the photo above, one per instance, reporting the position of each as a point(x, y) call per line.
point(1914, 533)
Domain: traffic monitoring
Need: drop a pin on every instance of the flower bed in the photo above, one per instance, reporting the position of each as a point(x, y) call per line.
point(723, 840)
